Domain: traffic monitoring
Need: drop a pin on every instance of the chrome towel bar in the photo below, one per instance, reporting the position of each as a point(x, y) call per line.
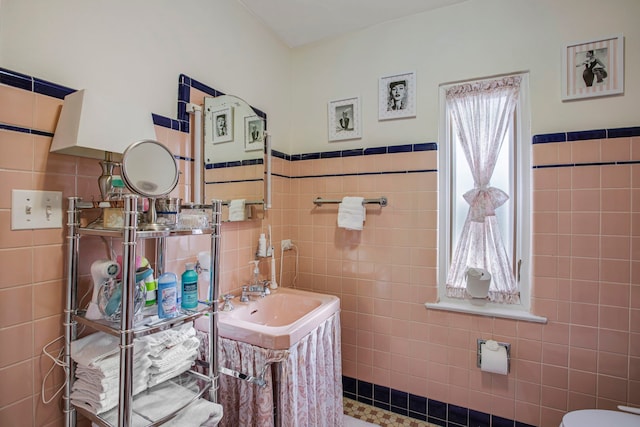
point(382, 201)
point(248, 202)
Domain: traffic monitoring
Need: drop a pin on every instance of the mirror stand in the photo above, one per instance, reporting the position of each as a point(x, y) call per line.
point(150, 170)
point(152, 218)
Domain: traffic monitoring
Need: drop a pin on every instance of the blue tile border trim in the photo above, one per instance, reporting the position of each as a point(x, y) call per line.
point(185, 83)
point(405, 148)
point(33, 84)
point(573, 165)
point(234, 181)
point(235, 163)
point(419, 407)
point(623, 132)
point(25, 130)
point(587, 134)
point(353, 152)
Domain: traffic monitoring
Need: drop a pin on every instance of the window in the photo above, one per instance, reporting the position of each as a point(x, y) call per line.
point(484, 219)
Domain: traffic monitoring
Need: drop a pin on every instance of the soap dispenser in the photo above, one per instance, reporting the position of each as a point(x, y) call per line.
point(256, 272)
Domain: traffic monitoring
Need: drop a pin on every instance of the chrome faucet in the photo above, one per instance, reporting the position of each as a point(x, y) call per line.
point(226, 304)
point(256, 290)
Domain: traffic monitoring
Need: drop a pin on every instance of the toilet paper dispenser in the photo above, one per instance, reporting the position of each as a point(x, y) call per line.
point(478, 282)
point(494, 366)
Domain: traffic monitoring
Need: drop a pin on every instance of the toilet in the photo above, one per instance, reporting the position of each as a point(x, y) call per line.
point(599, 418)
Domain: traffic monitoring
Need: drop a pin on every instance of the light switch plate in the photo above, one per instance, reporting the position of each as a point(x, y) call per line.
point(36, 209)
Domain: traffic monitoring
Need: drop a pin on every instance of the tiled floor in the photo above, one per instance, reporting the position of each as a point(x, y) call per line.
point(379, 416)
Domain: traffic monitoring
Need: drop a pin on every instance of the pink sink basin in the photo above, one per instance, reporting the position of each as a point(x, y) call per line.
point(279, 320)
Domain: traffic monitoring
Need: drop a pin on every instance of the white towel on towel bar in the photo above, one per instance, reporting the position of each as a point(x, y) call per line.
point(351, 213)
point(237, 210)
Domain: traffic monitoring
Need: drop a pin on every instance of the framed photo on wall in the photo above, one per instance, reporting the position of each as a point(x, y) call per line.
point(397, 96)
point(222, 125)
point(593, 68)
point(253, 133)
point(344, 119)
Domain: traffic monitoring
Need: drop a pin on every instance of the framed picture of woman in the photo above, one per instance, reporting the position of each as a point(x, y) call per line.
point(397, 96)
point(222, 125)
point(593, 68)
point(253, 133)
point(344, 119)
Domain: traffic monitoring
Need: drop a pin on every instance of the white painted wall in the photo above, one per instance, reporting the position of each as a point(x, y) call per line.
point(137, 49)
point(476, 38)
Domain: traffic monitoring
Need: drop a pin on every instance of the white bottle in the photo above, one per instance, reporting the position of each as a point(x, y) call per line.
point(262, 246)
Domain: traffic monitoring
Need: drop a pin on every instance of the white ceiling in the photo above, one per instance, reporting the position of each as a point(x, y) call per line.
point(298, 22)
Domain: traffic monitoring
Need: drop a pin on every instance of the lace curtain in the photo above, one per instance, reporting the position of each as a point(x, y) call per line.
point(481, 112)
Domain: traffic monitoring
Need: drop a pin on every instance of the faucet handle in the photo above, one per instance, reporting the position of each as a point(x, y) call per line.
point(227, 306)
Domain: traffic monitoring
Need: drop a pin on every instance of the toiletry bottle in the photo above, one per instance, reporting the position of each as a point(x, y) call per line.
point(204, 275)
point(167, 296)
point(152, 285)
point(262, 245)
point(190, 287)
point(256, 272)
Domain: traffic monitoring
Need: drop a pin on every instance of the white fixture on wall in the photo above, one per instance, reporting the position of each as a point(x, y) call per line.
point(91, 124)
point(36, 209)
point(197, 178)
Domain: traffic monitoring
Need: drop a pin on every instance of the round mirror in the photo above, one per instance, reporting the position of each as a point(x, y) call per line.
point(149, 169)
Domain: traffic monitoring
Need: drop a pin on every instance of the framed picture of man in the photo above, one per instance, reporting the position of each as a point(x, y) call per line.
point(222, 125)
point(397, 96)
point(593, 68)
point(344, 119)
point(253, 133)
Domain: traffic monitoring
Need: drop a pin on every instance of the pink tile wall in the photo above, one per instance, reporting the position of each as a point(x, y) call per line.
point(585, 260)
point(32, 284)
point(586, 268)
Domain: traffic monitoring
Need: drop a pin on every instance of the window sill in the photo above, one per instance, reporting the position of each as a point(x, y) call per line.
point(486, 310)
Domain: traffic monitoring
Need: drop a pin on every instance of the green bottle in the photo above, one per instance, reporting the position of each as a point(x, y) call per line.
point(190, 287)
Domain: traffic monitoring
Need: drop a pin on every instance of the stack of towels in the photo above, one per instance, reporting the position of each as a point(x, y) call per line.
point(150, 407)
point(351, 213)
point(237, 210)
point(171, 352)
point(157, 358)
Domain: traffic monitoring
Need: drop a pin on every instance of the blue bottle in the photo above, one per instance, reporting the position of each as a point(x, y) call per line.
point(190, 287)
point(167, 296)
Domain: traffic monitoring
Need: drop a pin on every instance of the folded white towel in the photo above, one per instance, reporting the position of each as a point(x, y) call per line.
point(97, 384)
point(199, 413)
point(174, 372)
point(94, 347)
point(110, 367)
point(351, 213)
point(237, 210)
point(169, 338)
point(101, 349)
point(99, 403)
point(187, 350)
point(103, 401)
point(177, 370)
